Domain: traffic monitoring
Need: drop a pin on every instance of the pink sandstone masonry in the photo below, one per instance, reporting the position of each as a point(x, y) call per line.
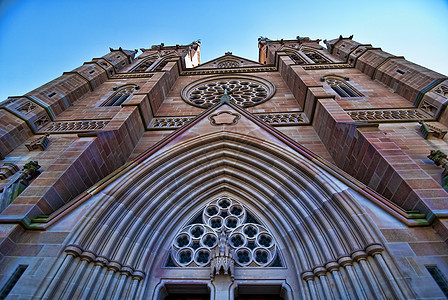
point(342, 147)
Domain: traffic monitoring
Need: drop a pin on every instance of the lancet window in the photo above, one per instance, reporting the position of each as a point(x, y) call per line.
point(295, 57)
point(224, 233)
point(122, 94)
point(144, 66)
point(316, 57)
point(161, 65)
point(342, 88)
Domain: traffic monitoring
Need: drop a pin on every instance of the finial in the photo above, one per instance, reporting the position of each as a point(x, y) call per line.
point(225, 97)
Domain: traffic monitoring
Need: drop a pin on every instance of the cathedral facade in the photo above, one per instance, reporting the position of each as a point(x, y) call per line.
point(318, 172)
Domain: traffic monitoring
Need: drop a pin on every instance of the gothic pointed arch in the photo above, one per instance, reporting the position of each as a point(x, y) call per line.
point(295, 56)
point(330, 247)
point(145, 65)
point(315, 56)
point(160, 64)
point(340, 85)
point(121, 94)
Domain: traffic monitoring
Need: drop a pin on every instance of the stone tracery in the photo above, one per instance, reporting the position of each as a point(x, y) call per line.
point(227, 235)
point(244, 91)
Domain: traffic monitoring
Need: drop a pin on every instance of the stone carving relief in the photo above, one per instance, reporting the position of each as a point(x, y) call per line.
point(42, 121)
point(39, 143)
point(7, 170)
point(442, 90)
point(129, 75)
point(327, 66)
point(429, 130)
point(429, 108)
point(244, 91)
point(224, 118)
point(274, 119)
point(169, 122)
point(441, 159)
point(388, 115)
point(26, 107)
point(283, 118)
point(85, 125)
point(225, 235)
point(18, 182)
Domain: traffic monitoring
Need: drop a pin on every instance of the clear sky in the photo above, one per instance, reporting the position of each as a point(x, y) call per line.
point(41, 39)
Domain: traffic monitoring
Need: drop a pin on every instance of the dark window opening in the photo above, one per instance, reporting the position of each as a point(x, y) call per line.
point(401, 72)
point(91, 72)
point(187, 292)
point(439, 278)
point(342, 88)
point(143, 66)
point(296, 59)
point(51, 95)
point(161, 66)
point(258, 292)
point(120, 96)
point(12, 281)
point(316, 57)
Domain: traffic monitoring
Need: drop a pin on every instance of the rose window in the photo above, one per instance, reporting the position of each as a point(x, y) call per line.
point(250, 243)
point(244, 91)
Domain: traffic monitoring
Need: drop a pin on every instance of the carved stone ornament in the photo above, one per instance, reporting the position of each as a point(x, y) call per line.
point(225, 236)
point(7, 170)
point(224, 118)
point(244, 91)
point(39, 143)
point(222, 258)
point(429, 130)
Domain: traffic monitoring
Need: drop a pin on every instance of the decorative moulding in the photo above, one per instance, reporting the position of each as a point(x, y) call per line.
point(39, 143)
point(224, 118)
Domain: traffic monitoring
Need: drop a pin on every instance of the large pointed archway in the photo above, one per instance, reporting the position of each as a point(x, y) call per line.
point(330, 248)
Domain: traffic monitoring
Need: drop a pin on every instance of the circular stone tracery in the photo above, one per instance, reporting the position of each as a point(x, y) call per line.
point(252, 244)
point(244, 91)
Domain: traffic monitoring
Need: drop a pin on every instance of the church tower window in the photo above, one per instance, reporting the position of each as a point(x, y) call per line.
point(145, 65)
point(315, 56)
point(296, 59)
point(342, 88)
point(161, 65)
point(121, 95)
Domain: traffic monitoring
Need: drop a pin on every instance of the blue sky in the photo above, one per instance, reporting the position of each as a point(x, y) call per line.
point(41, 39)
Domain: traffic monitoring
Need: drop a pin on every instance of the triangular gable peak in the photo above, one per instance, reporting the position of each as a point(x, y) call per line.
point(228, 61)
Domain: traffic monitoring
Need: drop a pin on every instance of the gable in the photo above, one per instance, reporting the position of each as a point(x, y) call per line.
point(228, 61)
